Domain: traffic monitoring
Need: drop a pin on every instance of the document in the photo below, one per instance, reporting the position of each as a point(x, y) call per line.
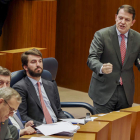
point(101, 114)
point(74, 121)
point(61, 128)
point(93, 118)
point(40, 138)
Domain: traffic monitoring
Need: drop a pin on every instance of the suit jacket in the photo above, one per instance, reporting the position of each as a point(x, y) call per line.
point(18, 114)
point(30, 108)
point(105, 48)
point(5, 131)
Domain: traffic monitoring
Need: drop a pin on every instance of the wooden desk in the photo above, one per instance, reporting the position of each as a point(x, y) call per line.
point(100, 129)
point(90, 131)
point(13, 57)
point(135, 123)
point(77, 136)
point(3, 59)
point(119, 125)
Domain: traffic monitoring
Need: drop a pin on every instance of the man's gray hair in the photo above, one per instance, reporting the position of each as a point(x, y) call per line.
point(7, 93)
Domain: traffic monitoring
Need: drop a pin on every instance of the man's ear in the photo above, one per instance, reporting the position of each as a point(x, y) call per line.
point(133, 22)
point(115, 17)
point(25, 67)
point(1, 100)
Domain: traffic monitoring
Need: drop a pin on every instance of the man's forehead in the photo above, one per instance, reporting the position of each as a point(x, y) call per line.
point(12, 100)
point(34, 57)
point(4, 77)
point(125, 13)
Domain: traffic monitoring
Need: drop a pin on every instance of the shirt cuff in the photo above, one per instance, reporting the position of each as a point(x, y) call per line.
point(101, 70)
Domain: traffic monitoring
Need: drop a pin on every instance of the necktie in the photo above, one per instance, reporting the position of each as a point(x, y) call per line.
point(45, 110)
point(123, 52)
point(18, 121)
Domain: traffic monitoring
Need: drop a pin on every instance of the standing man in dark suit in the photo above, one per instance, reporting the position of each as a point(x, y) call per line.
point(9, 102)
point(40, 100)
point(112, 53)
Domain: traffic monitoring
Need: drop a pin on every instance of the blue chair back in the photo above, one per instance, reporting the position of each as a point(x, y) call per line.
point(51, 65)
point(18, 75)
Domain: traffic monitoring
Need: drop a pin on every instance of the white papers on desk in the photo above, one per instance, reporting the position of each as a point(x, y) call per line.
point(93, 118)
point(74, 121)
point(40, 138)
point(101, 114)
point(64, 128)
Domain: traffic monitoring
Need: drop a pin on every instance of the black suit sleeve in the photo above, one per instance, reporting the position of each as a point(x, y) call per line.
point(23, 106)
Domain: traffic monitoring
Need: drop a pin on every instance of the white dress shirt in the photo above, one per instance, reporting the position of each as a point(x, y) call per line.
point(45, 98)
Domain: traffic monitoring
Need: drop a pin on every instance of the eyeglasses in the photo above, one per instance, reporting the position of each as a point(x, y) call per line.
point(12, 110)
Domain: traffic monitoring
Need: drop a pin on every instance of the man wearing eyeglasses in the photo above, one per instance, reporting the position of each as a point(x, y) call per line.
point(15, 119)
point(9, 102)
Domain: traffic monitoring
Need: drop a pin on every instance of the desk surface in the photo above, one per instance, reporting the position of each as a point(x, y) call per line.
point(112, 116)
point(95, 125)
point(41, 135)
point(20, 50)
point(132, 109)
point(77, 136)
point(135, 123)
point(12, 56)
point(92, 130)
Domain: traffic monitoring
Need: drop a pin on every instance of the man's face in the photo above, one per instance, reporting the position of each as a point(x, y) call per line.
point(34, 67)
point(7, 108)
point(4, 81)
point(124, 21)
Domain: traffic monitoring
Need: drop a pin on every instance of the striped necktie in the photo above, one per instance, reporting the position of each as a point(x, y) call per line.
point(45, 110)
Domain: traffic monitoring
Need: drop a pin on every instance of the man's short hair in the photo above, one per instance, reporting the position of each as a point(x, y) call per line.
point(24, 56)
point(128, 9)
point(4, 71)
point(7, 93)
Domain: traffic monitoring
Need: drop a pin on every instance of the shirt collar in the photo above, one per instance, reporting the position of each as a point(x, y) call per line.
point(34, 82)
point(126, 34)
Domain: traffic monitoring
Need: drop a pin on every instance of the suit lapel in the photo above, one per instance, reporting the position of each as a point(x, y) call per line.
point(32, 92)
point(115, 42)
point(129, 46)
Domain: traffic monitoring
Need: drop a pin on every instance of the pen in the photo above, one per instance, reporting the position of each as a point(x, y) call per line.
point(74, 123)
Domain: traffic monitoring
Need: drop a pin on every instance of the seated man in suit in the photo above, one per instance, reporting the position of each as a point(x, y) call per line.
point(5, 77)
point(40, 100)
point(9, 102)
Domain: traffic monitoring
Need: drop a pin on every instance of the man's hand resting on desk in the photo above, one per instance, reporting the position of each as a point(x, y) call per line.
point(107, 68)
point(27, 131)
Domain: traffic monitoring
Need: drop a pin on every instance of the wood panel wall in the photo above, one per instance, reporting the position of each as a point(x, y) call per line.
point(30, 24)
point(77, 21)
